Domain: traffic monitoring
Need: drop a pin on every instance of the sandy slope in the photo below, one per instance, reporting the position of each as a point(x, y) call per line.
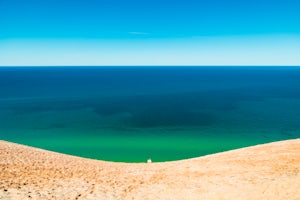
point(270, 171)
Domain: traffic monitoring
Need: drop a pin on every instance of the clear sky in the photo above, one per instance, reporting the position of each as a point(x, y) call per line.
point(149, 32)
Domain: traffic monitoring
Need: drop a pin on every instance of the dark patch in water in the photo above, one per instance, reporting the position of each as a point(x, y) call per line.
point(52, 126)
point(171, 117)
point(184, 101)
point(111, 107)
point(163, 110)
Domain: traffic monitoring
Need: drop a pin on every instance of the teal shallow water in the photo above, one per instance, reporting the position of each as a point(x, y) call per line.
point(82, 132)
point(132, 115)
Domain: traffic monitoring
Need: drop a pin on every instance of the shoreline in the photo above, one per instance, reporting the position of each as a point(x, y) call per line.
point(271, 170)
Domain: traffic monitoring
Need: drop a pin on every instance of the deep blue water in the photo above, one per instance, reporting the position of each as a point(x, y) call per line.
point(200, 110)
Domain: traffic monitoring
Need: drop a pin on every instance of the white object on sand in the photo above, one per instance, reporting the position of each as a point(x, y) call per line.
point(149, 160)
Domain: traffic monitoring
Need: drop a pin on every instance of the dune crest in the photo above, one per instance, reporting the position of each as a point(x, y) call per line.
point(270, 171)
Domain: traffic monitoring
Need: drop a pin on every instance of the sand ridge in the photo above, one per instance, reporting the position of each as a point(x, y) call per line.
point(270, 171)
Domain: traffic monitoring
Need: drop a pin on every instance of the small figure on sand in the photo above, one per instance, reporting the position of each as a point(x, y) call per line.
point(149, 160)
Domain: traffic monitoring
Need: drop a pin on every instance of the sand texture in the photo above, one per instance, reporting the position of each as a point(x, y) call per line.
point(270, 171)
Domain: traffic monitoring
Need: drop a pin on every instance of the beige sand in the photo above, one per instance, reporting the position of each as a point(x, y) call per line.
point(270, 171)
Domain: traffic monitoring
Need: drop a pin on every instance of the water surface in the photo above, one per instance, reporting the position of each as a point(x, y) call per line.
point(133, 113)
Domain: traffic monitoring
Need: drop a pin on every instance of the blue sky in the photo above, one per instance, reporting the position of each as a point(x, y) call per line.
point(149, 32)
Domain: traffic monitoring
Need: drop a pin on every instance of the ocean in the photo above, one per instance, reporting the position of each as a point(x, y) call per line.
point(130, 114)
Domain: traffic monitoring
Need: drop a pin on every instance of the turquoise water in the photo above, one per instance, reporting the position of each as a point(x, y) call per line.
point(132, 113)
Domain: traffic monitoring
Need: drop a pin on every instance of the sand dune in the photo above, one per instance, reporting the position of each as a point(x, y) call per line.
point(270, 171)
